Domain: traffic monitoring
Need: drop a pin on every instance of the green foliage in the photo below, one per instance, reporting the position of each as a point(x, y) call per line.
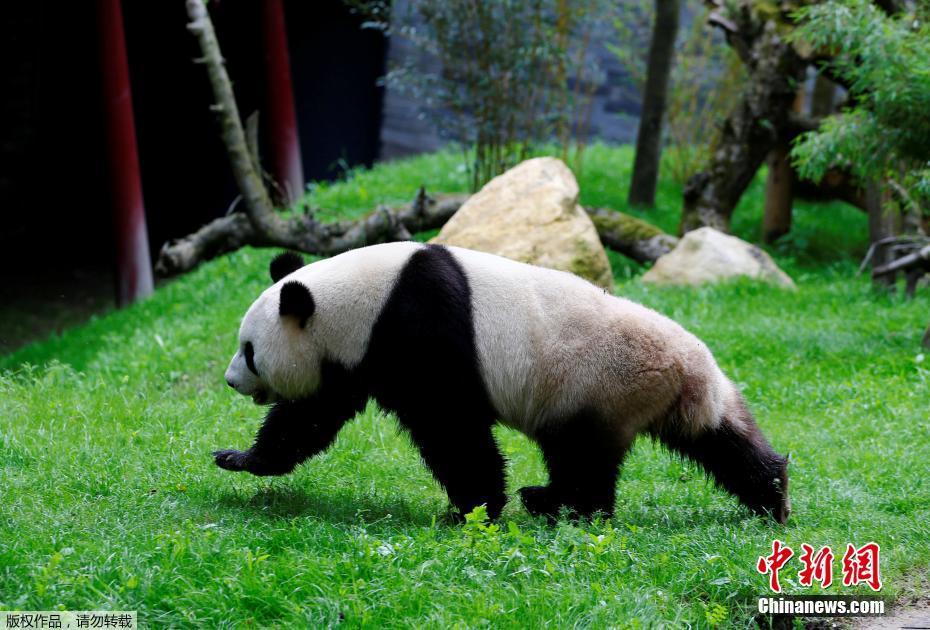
point(715, 614)
point(111, 500)
point(885, 61)
point(506, 75)
point(633, 28)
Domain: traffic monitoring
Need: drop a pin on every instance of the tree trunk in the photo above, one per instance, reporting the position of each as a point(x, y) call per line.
point(258, 206)
point(753, 128)
point(823, 97)
point(776, 220)
point(926, 339)
point(649, 137)
point(636, 239)
point(884, 222)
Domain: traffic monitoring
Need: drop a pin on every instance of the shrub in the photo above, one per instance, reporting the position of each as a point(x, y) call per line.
point(507, 75)
point(884, 133)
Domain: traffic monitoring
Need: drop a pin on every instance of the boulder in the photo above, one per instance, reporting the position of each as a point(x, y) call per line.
point(708, 255)
point(531, 214)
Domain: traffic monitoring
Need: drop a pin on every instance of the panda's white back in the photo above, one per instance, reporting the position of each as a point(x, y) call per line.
point(552, 345)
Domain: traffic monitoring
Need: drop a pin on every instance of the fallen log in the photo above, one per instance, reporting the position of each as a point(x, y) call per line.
point(909, 255)
point(306, 234)
point(918, 260)
point(632, 237)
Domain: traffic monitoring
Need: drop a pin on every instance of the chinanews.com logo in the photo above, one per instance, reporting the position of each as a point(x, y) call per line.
point(859, 566)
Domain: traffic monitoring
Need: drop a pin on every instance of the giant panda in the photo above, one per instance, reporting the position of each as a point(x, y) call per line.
point(453, 341)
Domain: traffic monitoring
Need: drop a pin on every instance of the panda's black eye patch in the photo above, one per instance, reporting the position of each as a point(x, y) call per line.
point(249, 353)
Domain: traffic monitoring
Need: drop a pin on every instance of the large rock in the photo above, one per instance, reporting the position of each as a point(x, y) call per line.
point(531, 214)
point(708, 255)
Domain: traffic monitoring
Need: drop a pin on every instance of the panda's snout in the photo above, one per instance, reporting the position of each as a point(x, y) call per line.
point(237, 387)
point(231, 379)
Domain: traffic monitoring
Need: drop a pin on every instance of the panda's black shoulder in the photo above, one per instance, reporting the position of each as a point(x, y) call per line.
point(431, 295)
point(434, 264)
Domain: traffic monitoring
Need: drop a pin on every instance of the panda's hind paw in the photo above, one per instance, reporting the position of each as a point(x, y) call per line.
point(231, 460)
point(539, 501)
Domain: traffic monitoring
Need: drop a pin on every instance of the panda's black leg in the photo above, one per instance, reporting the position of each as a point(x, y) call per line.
point(464, 458)
point(275, 451)
point(293, 431)
point(583, 458)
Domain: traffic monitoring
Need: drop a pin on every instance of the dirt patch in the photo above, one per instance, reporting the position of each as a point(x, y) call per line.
point(907, 615)
point(40, 303)
point(911, 610)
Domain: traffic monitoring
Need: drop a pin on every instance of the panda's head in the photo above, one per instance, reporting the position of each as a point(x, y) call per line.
point(277, 357)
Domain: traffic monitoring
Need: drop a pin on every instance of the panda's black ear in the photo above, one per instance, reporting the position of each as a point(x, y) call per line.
point(283, 264)
point(296, 302)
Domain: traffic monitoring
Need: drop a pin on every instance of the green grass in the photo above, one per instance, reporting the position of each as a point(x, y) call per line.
point(110, 499)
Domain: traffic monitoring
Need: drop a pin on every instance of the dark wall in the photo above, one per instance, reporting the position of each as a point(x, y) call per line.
point(53, 187)
point(52, 193)
point(335, 65)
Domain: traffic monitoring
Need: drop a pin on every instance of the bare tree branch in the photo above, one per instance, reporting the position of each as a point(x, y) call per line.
point(258, 206)
point(231, 232)
point(919, 259)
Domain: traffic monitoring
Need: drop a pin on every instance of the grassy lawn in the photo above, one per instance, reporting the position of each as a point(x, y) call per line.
point(110, 499)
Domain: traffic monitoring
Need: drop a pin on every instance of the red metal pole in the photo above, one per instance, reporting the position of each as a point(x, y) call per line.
point(134, 267)
point(286, 163)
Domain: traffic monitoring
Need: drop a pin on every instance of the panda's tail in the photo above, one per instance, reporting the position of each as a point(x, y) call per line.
point(734, 452)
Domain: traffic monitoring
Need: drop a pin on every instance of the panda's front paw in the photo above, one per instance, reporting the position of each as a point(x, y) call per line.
point(231, 460)
point(250, 462)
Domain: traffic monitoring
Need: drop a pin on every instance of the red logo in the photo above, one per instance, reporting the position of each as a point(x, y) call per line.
point(817, 566)
point(860, 566)
point(773, 563)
